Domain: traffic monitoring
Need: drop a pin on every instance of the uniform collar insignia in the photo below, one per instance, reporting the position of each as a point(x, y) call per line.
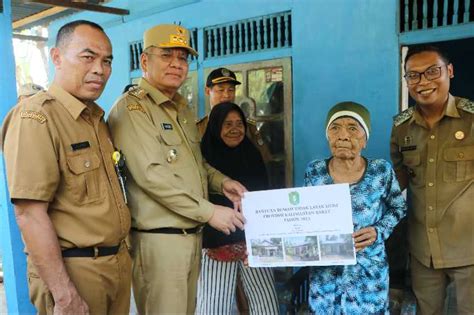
point(29, 114)
point(132, 107)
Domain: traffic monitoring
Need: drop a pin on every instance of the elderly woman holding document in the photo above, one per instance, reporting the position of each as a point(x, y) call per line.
point(377, 207)
point(226, 147)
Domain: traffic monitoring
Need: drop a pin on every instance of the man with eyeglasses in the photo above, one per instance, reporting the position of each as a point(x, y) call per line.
point(432, 149)
point(167, 179)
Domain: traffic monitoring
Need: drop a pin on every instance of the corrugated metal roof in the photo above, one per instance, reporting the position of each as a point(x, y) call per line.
point(21, 10)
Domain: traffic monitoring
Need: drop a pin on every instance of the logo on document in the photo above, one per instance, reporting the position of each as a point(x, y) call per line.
point(294, 198)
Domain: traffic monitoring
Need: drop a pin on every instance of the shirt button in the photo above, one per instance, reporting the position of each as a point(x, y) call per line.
point(432, 137)
point(431, 230)
point(460, 155)
point(431, 160)
point(87, 164)
point(430, 208)
point(430, 184)
point(199, 218)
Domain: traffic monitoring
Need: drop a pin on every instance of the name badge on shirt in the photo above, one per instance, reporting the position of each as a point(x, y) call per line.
point(167, 126)
point(80, 145)
point(408, 148)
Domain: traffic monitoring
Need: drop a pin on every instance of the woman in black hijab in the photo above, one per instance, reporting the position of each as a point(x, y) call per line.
point(226, 148)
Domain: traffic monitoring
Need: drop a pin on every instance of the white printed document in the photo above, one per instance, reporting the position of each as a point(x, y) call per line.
point(307, 226)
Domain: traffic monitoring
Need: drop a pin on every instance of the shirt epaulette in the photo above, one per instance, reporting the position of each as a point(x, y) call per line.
point(201, 120)
point(40, 98)
point(403, 116)
point(251, 121)
point(466, 105)
point(137, 92)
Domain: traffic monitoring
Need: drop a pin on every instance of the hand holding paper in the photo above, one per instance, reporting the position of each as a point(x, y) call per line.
point(308, 226)
point(226, 219)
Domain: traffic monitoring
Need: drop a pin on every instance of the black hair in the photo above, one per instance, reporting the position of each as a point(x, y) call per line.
point(65, 32)
point(417, 49)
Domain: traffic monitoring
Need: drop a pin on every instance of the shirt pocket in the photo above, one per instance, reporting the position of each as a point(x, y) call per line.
point(172, 148)
point(84, 179)
point(458, 164)
point(194, 139)
point(415, 169)
point(170, 137)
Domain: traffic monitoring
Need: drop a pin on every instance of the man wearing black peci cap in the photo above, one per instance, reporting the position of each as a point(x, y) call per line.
point(221, 87)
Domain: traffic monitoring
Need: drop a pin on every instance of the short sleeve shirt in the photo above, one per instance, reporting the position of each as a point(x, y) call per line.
point(58, 150)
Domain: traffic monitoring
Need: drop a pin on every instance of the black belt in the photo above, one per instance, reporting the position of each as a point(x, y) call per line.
point(169, 230)
point(91, 251)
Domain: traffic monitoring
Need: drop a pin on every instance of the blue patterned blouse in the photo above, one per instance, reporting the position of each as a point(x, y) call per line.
point(362, 288)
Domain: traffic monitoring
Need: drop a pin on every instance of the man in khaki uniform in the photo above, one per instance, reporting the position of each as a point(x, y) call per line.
point(62, 181)
point(432, 149)
point(167, 178)
point(220, 86)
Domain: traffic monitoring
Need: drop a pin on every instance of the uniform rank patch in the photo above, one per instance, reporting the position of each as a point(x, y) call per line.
point(132, 107)
point(466, 105)
point(29, 114)
point(408, 148)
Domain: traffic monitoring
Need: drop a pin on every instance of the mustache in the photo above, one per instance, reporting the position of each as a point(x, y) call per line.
point(95, 80)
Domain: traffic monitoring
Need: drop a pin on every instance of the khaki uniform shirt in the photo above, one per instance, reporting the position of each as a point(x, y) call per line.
point(58, 150)
point(439, 167)
point(252, 132)
point(167, 180)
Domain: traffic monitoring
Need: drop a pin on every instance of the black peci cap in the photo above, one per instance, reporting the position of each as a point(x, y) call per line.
point(221, 75)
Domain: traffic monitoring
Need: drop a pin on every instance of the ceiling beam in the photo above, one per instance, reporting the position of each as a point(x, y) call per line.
point(82, 6)
point(38, 16)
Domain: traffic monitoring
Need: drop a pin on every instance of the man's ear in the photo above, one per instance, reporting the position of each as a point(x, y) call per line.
point(144, 62)
point(55, 55)
point(450, 71)
point(207, 91)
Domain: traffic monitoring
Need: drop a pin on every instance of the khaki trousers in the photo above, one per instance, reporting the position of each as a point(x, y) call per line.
point(165, 272)
point(430, 285)
point(104, 283)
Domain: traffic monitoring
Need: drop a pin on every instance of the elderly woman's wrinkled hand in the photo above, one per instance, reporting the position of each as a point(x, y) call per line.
point(364, 237)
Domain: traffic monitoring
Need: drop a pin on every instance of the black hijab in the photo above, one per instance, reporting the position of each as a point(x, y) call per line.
point(244, 162)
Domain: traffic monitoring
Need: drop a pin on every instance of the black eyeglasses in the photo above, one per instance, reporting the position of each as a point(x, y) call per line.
point(432, 73)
